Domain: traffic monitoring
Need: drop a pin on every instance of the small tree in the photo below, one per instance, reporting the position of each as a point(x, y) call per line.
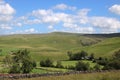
point(84, 54)
point(116, 55)
point(59, 64)
point(42, 63)
point(27, 66)
point(46, 63)
point(49, 63)
point(34, 64)
point(91, 56)
point(20, 62)
point(81, 66)
point(69, 55)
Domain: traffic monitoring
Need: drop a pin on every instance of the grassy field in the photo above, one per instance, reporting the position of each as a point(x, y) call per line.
point(73, 63)
point(56, 45)
point(88, 76)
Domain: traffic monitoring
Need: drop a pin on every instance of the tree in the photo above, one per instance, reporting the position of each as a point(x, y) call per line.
point(69, 55)
point(27, 66)
point(103, 61)
point(42, 63)
point(84, 54)
point(91, 56)
point(77, 56)
point(81, 66)
point(21, 62)
point(46, 63)
point(34, 64)
point(49, 63)
point(114, 63)
point(116, 55)
point(59, 64)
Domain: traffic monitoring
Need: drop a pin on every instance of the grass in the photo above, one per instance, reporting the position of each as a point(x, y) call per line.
point(56, 45)
point(42, 46)
point(88, 76)
point(73, 63)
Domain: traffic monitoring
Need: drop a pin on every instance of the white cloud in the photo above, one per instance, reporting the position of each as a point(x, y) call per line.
point(27, 31)
point(84, 29)
point(34, 21)
point(5, 26)
point(104, 22)
point(50, 27)
point(70, 25)
point(6, 9)
point(5, 18)
point(115, 9)
point(73, 21)
point(31, 30)
point(6, 15)
point(41, 12)
point(83, 12)
point(79, 21)
point(64, 7)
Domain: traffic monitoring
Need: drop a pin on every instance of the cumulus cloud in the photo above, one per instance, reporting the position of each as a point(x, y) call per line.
point(26, 31)
point(104, 22)
point(31, 30)
point(74, 21)
point(64, 7)
point(115, 9)
point(77, 21)
point(84, 29)
point(5, 26)
point(50, 27)
point(6, 15)
point(6, 9)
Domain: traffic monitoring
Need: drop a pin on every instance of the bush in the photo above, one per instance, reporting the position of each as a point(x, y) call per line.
point(115, 64)
point(59, 64)
point(81, 66)
point(34, 64)
point(102, 62)
point(15, 68)
point(20, 61)
point(46, 63)
point(97, 67)
point(77, 56)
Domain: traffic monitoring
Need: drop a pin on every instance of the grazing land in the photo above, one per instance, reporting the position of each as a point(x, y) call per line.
point(53, 49)
point(56, 45)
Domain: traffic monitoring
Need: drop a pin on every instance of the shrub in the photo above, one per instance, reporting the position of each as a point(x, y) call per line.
point(81, 66)
point(20, 62)
point(97, 67)
point(46, 63)
point(59, 64)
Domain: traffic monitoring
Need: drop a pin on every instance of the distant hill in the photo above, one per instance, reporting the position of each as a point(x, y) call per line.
point(55, 45)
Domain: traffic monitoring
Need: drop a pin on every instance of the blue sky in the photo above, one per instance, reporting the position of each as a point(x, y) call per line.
point(44, 16)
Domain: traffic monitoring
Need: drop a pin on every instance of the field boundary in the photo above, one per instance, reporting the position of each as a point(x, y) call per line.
point(20, 76)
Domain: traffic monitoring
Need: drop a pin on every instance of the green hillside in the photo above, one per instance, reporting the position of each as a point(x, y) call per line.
point(55, 45)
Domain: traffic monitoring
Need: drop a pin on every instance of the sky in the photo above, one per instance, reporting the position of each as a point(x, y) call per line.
point(45, 16)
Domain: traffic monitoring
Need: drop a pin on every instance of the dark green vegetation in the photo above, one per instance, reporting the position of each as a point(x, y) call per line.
point(19, 62)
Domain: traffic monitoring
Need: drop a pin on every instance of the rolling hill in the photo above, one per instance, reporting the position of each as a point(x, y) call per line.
point(55, 45)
